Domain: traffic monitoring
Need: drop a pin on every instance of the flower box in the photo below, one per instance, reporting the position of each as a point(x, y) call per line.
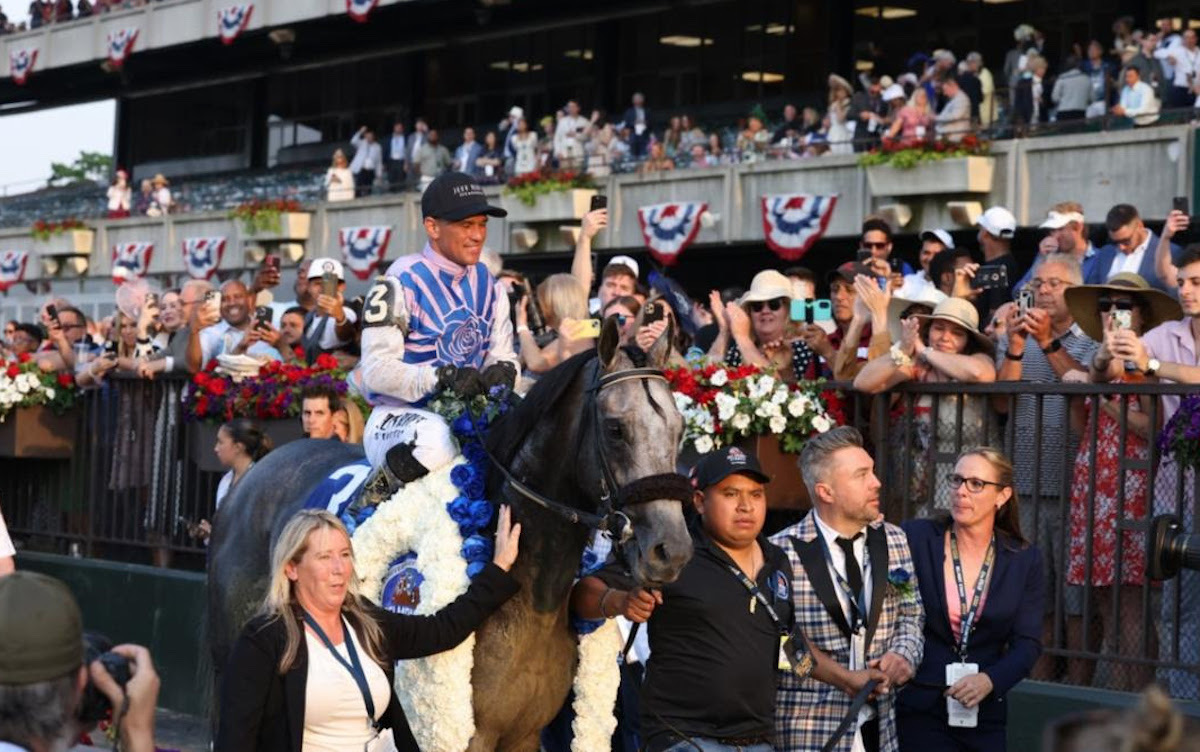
point(202, 437)
point(954, 175)
point(37, 433)
point(292, 226)
point(69, 243)
point(560, 206)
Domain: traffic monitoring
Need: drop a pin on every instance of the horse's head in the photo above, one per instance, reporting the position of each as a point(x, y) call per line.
point(639, 430)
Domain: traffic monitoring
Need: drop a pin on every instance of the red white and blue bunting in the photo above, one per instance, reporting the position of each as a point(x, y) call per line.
point(202, 256)
point(360, 9)
point(130, 261)
point(20, 64)
point(120, 45)
point(363, 248)
point(669, 229)
point(12, 268)
point(232, 21)
point(792, 222)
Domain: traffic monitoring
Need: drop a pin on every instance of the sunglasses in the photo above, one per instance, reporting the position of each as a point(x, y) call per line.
point(974, 485)
point(758, 305)
point(1107, 304)
point(621, 318)
point(873, 246)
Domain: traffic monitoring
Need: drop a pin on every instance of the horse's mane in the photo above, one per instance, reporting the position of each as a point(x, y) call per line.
point(508, 434)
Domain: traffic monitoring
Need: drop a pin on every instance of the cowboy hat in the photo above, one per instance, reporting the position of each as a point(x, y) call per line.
point(1082, 303)
point(767, 285)
point(160, 179)
point(961, 312)
point(836, 80)
point(927, 296)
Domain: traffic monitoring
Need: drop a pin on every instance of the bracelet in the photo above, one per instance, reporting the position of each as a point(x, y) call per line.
point(607, 592)
point(1014, 356)
point(522, 329)
point(1053, 347)
point(900, 359)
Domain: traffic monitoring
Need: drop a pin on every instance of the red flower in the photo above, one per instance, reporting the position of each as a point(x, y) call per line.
point(24, 358)
point(216, 386)
point(326, 362)
point(13, 370)
point(65, 380)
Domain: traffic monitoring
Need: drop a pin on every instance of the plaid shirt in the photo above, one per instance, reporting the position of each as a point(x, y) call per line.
point(807, 712)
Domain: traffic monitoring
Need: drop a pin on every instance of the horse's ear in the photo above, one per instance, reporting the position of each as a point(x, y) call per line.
point(660, 351)
point(610, 342)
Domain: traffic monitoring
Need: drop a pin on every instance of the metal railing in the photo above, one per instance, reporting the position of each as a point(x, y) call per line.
point(134, 483)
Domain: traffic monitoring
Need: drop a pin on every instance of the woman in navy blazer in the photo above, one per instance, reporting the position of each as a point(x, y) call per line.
point(1005, 635)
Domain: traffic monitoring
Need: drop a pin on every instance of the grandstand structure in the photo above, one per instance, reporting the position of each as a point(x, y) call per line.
point(258, 117)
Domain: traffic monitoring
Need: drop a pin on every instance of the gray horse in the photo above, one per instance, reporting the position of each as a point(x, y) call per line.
point(554, 442)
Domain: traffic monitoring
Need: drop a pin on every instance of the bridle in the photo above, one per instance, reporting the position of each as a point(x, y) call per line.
point(614, 498)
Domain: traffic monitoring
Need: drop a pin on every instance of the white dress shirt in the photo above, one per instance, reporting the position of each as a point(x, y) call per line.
point(1129, 262)
point(397, 148)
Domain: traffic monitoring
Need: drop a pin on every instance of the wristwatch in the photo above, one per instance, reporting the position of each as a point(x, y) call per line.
point(1152, 366)
point(1054, 346)
point(899, 358)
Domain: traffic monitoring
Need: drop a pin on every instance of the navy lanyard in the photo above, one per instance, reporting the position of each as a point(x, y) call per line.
point(967, 615)
point(753, 588)
point(353, 665)
point(858, 601)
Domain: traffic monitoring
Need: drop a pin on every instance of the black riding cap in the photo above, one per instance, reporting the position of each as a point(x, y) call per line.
point(453, 196)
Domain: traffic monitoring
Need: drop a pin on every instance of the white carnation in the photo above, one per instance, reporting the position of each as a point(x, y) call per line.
point(682, 401)
point(726, 405)
point(778, 424)
point(719, 378)
point(703, 444)
point(740, 422)
point(795, 408)
point(780, 396)
point(49, 393)
point(821, 424)
point(766, 384)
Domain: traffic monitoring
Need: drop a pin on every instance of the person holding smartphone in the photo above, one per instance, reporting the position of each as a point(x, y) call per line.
point(563, 304)
point(755, 330)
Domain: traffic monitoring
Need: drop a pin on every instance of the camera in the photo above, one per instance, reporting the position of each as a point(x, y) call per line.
point(1170, 549)
point(94, 706)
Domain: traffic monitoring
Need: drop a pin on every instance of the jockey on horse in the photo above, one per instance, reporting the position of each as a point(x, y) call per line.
point(436, 320)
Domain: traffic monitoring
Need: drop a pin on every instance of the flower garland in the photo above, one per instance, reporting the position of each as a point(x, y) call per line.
point(722, 404)
point(905, 155)
point(597, 680)
point(435, 691)
point(24, 384)
point(275, 393)
point(43, 230)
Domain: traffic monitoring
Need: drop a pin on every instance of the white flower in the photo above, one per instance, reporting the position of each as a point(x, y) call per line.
point(780, 396)
point(766, 384)
point(719, 378)
point(821, 424)
point(49, 393)
point(778, 424)
point(682, 401)
point(703, 444)
point(726, 405)
point(795, 408)
point(740, 422)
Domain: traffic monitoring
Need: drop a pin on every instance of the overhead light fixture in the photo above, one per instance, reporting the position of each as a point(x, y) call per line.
point(886, 12)
point(762, 77)
point(778, 29)
point(578, 54)
point(864, 66)
point(517, 66)
point(682, 40)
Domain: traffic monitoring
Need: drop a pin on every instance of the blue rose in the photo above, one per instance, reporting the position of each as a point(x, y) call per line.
point(463, 340)
point(899, 576)
point(365, 513)
point(477, 549)
point(468, 480)
point(585, 626)
point(474, 453)
point(480, 513)
point(474, 568)
point(462, 425)
point(460, 510)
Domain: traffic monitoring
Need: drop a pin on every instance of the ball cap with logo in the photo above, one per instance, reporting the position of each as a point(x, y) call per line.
point(42, 629)
point(319, 266)
point(453, 196)
point(719, 464)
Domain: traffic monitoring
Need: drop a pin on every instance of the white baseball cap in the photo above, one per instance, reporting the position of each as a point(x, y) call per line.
point(625, 261)
point(895, 91)
point(1056, 220)
point(998, 221)
point(939, 235)
point(516, 112)
point(319, 266)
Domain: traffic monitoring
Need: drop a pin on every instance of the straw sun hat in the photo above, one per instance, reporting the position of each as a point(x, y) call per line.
point(1082, 302)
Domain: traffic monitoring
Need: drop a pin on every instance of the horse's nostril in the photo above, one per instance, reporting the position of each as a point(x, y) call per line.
point(659, 554)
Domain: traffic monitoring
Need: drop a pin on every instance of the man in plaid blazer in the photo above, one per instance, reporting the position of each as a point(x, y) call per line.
point(854, 592)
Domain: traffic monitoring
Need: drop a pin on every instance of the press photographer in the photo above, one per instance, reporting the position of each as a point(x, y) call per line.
point(49, 695)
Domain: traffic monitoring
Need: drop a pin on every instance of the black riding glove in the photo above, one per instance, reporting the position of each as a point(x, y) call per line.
point(502, 373)
point(465, 382)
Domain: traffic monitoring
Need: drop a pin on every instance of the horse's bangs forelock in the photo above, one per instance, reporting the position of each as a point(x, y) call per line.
point(509, 433)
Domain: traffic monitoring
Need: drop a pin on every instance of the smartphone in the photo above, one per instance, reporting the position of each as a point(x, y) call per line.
point(960, 715)
point(652, 312)
point(896, 264)
point(329, 283)
point(271, 261)
point(1024, 302)
point(1181, 204)
point(262, 317)
point(213, 298)
point(151, 299)
point(52, 312)
point(990, 277)
point(1121, 319)
point(811, 311)
point(599, 201)
point(582, 329)
point(110, 348)
point(863, 255)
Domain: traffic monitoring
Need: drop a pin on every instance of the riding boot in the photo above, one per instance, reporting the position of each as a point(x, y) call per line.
point(399, 467)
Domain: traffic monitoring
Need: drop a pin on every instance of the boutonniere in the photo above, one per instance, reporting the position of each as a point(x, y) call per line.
point(900, 583)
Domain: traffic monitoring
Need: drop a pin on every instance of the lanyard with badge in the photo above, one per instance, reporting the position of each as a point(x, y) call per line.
point(792, 654)
point(959, 715)
point(354, 666)
point(858, 607)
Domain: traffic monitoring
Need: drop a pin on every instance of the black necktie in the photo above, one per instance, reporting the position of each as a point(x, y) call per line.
point(853, 574)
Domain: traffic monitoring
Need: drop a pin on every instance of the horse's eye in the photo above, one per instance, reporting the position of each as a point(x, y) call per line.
point(612, 428)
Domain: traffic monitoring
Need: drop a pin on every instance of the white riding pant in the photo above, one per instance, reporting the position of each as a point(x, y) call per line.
point(434, 448)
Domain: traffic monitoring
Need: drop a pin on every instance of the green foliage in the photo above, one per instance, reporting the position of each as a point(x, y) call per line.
point(906, 157)
point(528, 188)
point(89, 167)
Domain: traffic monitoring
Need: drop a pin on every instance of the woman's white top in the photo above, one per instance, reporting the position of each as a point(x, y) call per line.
point(118, 197)
point(223, 488)
point(340, 191)
point(527, 156)
point(335, 716)
point(6, 544)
